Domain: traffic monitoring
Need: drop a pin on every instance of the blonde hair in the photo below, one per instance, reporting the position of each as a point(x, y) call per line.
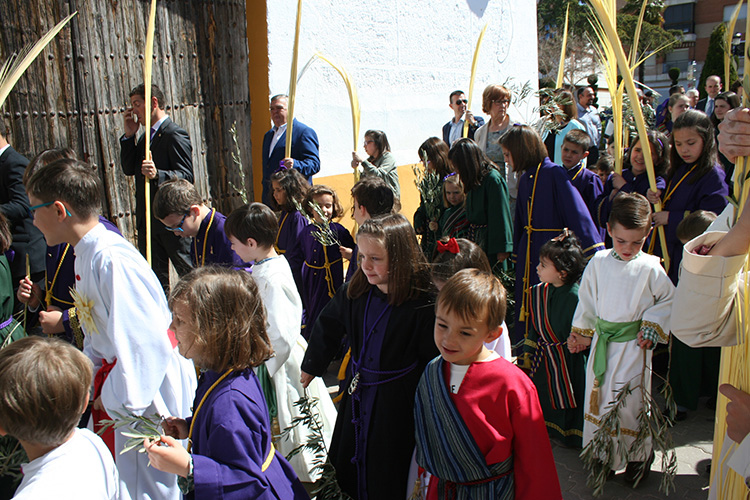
point(472, 293)
point(453, 178)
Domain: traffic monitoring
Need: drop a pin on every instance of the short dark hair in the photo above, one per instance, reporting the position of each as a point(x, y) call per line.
point(71, 181)
point(606, 163)
point(694, 224)
point(525, 147)
point(175, 196)
point(45, 158)
point(580, 90)
point(469, 256)
point(140, 90)
point(676, 89)
point(374, 194)
point(579, 138)
point(565, 253)
point(44, 389)
point(380, 140)
point(255, 221)
point(319, 190)
point(631, 211)
point(454, 93)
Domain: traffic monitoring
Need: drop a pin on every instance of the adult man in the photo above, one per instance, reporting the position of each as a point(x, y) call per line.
point(454, 129)
point(14, 204)
point(588, 115)
point(693, 95)
point(713, 87)
point(304, 155)
point(172, 158)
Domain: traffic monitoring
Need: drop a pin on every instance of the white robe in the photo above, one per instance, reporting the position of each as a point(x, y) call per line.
point(619, 291)
point(132, 318)
point(79, 469)
point(284, 311)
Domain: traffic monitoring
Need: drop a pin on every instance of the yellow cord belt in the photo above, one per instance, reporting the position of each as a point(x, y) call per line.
point(48, 296)
point(278, 233)
point(327, 267)
point(202, 262)
point(668, 196)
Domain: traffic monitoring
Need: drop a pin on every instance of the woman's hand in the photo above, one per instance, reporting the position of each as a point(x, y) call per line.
point(171, 457)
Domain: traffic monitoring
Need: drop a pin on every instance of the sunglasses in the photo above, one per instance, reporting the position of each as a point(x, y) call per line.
point(462, 101)
point(178, 227)
point(35, 207)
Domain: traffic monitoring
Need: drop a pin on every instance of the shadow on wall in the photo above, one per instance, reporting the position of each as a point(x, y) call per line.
point(478, 6)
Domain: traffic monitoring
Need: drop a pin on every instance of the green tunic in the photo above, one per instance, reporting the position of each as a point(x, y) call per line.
point(559, 375)
point(488, 213)
point(6, 305)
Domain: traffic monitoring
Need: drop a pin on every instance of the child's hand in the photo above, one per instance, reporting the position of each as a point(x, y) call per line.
point(660, 218)
point(171, 457)
point(433, 226)
point(578, 343)
point(644, 343)
point(654, 196)
point(28, 293)
point(51, 321)
point(305, 379)
point(346, 253)
point(175, 427)
point(618, 181)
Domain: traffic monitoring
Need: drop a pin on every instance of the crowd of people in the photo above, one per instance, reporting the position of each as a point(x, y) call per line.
point(441, 391)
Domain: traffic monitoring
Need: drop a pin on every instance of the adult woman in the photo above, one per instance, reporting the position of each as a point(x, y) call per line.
point(723, 103)
point(380, 161)
point(436, 152)
point(678, 104)
point(565, 121)
point(495, 102)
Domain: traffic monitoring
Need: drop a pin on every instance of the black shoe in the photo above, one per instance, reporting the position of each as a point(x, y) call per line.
point(633, 468)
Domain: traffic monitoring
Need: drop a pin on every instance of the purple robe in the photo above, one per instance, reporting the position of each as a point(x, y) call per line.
point(589, 185)
point(218, 249)
point(317, 290)
point(707, 193)
point(557, 205)
point(635, 184)
point(287, 242)
point(232, 439)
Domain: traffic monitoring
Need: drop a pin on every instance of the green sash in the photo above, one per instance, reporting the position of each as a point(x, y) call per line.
point(609, 331)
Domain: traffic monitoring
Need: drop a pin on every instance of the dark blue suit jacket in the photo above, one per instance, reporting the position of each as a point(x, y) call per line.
point(304, 152)
point(472, 129)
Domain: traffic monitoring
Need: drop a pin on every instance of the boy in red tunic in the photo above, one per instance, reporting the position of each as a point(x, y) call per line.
point(480, 429)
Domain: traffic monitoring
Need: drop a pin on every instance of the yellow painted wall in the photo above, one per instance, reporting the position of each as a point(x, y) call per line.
point(260, 116)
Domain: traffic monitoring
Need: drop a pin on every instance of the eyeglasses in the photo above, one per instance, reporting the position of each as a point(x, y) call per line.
point(368, 142)
point(503, 102)
point(35, 207)
point(178, 227)
point(462, 101)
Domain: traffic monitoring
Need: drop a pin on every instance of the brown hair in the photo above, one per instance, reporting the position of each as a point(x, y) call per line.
point(175, 196)
point(493, 93)
point(380, 140)
point(453, 178)
point(71, 181)
point(44, 389)
point(408, 274)
point(567, 105)
point(294, 185)
point(437, 154)
point(525, 147)
point(694, 224)
point(470, 163)
point(659, 145)
point(565, 253)
point(472, 293)
point(631, 211)
point(228, 317)
point(606, 163)
point(6, 237)
point(469, 256)
point(320, 190)
point(374, 194)
point(45, 158)
point(255, 221)
point(577, 137)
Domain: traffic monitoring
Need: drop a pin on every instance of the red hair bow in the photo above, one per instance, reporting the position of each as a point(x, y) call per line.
point(451, 246)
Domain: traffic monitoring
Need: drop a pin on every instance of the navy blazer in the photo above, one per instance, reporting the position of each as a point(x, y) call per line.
point(472, 129)
point(171, 152)
point(14, 204)
point(304, 151)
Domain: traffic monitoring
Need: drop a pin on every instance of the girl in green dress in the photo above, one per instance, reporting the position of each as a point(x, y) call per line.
point(10, 329)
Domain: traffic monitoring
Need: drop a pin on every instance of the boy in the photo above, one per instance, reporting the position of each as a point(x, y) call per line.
point(44, 386)
point(123, 312)
point(605, 167)
point(624, 303)
point(480, 430)
point(574, 151)
point(371, 197)
point(179, 207)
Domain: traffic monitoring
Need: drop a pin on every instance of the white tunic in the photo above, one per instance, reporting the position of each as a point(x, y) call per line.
point(132, 318)
point(619, 291)
point(79, 469)
point(284, 311)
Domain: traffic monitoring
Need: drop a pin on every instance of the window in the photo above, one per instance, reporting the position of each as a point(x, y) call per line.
point(680, 17)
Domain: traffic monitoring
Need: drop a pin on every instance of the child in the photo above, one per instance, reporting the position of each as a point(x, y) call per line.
point(480, 430)
point(123, 313)
point(453, 222)
point(252, 230)
point(624, 304)
point(44, 387)
point(180, 208)
point(487, 202)
point(574, 152)
point(229, 454)
point(371, 197)
point(288, 186)
point(547, 202)
point(605, 167)
point(436, 153)
point(558, 374)
point(8, 325)
point(323, 268)
point(454, 255)
point(59, 315)
point(694, 225)
point(386, 312)
point(380, 161)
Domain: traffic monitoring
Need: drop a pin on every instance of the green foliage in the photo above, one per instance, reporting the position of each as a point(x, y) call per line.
point(323, 234)
point(551, 18)
point(653, 36)
point(141, 426)
point(714, 64)
point(430, 187)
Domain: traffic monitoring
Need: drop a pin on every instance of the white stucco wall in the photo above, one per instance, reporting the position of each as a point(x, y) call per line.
point(406, 56)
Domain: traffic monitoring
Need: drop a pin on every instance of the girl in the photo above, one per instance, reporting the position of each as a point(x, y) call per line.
point(634, 178)
point(380, 161)
point(558, 374)
point(387, 313)
point(695, 182)
point(677, 104)
point(566, 119)
point(323, 267)
point(487, 204)
point(453, 222)
point(547, 202)
point(229, 452)
point(436, 152)
point(288, 186)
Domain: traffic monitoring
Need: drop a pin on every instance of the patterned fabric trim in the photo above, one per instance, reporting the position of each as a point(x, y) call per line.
point(566, 433)
point(75, 325)
point(187, 484)
point(659, 335)
point(597, 422)
point(586, 332)
point(530, 343)
point(617, 257)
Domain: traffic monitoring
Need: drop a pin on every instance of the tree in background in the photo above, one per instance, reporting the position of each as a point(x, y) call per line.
point(580, 57)
point(714, 64)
